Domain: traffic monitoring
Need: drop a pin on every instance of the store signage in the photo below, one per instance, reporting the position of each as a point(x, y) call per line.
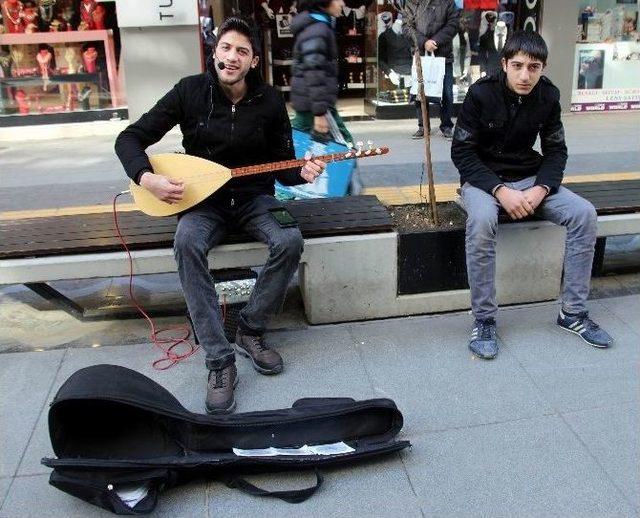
point(154, 13)
point(606, 78)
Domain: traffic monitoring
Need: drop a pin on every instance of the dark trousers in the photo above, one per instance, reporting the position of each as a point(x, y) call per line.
point(202, 228)
point(446, 103)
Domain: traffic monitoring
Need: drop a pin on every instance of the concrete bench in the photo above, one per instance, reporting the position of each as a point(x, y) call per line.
point(349, 269)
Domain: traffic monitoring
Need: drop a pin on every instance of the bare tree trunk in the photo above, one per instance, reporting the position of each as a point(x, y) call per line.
point(427, 138)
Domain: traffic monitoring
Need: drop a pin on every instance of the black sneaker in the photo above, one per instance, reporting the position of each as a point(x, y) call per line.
point(265, 360)
point(418, 134)
point(220, 386)
point(585, 328)
point(484, 343)
point(447, 133)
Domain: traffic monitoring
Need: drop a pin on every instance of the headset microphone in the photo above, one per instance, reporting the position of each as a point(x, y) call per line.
point(221, 65)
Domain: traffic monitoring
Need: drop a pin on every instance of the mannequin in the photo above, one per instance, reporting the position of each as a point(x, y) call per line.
point(44, 60)
point(12, 13)
point(98, 17)
point(46, 9)
point(87, 8)
point(89, 57)
point(490, 48)
point(30, 19)
point(462, 51)
point(394, 52)
point(22, 100)
point(71, 56)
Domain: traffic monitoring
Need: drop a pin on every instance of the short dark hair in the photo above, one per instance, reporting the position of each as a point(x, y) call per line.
point(242, 26)
point(313, 5)
point(527, 42)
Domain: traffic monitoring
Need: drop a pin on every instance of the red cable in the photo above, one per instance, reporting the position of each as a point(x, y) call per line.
point(169, 356)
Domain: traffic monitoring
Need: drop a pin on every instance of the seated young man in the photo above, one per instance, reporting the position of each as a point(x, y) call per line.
point(492, 148)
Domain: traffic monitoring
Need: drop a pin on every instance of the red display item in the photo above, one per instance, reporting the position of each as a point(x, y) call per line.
point(99, 14)
point(470, 5)
point(87, 8)
point(12, 13)
point(89, 57)
point(44, 60)
point(30, 19)
point(22, 99)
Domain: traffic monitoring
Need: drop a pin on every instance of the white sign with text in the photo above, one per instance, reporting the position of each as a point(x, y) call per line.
point(156, 13)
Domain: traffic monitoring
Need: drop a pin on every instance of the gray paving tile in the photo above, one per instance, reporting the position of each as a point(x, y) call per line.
point(186, 381)
point(589, 386)
point(378, 488)
point(319, 362)
point(4, 488)
point(534, 338)
point(611, 435)
point(28, 495)
point(25, 380)
point(533, 468)
point(425, 366)
point(626, 309)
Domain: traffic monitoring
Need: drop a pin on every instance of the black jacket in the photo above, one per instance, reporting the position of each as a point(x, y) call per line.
point(436, 20)
point(394, 52)
point(314, 73)
point(254, 131)
point(497, 129)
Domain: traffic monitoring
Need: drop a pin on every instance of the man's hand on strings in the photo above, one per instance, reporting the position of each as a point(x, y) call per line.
point(165, 189)
point(312, 169)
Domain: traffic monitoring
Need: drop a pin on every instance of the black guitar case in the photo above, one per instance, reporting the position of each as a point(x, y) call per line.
point(112, 429)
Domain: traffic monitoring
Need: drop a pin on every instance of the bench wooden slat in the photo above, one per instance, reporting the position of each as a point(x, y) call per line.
point(95, 232)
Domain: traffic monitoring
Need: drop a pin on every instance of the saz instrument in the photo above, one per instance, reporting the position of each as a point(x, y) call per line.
point(202, 177)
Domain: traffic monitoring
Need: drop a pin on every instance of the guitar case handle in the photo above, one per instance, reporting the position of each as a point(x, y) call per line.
point(293, 496)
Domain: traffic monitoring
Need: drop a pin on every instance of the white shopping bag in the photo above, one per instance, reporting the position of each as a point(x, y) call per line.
point(433, 74)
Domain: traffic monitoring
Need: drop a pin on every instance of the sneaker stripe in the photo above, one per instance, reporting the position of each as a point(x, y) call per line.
point(575, 324)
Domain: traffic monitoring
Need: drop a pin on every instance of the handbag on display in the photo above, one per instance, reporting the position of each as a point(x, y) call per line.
point(120, 439)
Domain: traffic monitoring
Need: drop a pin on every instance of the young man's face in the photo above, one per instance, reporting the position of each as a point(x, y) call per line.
point(234, 50)
point(523, 73)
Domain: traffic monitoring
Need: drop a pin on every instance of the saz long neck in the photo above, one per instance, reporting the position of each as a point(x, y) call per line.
point(290, 164)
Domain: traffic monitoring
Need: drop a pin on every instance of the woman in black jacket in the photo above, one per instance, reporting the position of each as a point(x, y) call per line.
point(314, 74)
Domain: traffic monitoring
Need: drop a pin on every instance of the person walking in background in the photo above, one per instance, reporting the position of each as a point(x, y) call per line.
point(314, 73)
point(431, 26)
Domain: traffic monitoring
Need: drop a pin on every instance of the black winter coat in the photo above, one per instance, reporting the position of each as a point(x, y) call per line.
point(314, 73)
point(436, 20)
point(497, 129)
point(255, 130)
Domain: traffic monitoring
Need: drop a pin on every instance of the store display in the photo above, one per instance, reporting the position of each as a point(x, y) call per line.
point(12, 11)
point(30, 18)
point(490, 46)
point(46, 10)
point(89, 57)
point(607, 58)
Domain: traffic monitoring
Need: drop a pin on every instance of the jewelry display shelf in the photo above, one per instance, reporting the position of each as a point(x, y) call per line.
point(106, 36)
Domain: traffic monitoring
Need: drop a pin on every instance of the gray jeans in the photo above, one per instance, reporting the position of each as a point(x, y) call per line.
point(563, 208)
point(202, 228)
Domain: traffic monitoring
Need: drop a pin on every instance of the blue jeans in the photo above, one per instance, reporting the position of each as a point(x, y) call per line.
point(563, 208)
point(446, 103)
point(202, 228)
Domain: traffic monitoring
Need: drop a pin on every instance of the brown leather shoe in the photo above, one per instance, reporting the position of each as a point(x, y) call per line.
point(220, 386)
point(265, 360)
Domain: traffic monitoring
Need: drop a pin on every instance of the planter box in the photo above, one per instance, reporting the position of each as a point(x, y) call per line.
point(431, 260)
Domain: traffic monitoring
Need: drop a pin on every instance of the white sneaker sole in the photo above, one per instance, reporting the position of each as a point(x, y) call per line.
point(583, 338)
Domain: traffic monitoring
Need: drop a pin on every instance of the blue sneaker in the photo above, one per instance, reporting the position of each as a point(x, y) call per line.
point(585, 328)
point(483, 339)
